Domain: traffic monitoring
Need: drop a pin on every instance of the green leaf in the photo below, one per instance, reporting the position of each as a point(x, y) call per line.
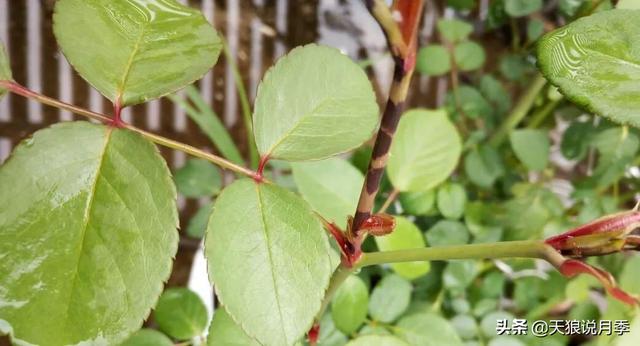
point(447, 232)
point(332, 187)
point(147, 337)
point(269, 259)
point(134, 51)
point(576, 140)
point(466, 326)
point(405, 236)
point(198, 223)
point(535, 29)
point(349, 305)
point(418, 203)
point(514, 67)
point(225, 331)
point(378, 340)
point(628, 4)
point(520, 8)
point(531, 147)
point(595, 62)
point(483, 166)
point(314, 103)
point(454, 30)
point(469, 56)
point(5, 68)
point(329, 334)
point(452, 199)
point(198, 178)
point(425, 151)
point(495, 93)
point(470, 103)
point(433, 60)
point(210, 124)
point(181, 313)
point(530, 209)
point(87, 234)
point(459, 274)
point(489, 322)
point(390, 298)
point(427, 329)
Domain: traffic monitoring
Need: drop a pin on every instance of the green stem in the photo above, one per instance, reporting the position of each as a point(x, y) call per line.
point(339, 276)
point(169, 143)
point(244, 104)
point(520, 110)
point(510, 249)
point(540, 115)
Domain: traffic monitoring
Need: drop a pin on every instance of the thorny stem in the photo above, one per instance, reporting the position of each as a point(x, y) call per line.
point(169, 143)
point(402, 43)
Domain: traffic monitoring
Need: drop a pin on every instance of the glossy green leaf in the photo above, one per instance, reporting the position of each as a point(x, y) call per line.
point(224, 331)
point(531, 147)
point(147, 337)
point(433, 60)
point(595, 62)
point(483, 166)
point(390, 298)
point(314, 103)
point(181, 313)
point(425, 151)
point(469, 56)
point(454, 30)
point(269, 259)
point(198, 178)
point(447, 232)
point(452, 199)
point(332, 187)
point(5, 68)
point(418, 203)
point(377, 340)
point(135, 50)
point(349, 305)
point(427, 329)
point(520, 8)
point(87, 234)
point(405, 236)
